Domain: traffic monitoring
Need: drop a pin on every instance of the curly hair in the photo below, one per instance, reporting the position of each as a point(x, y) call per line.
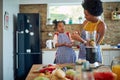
point(55, 22)
point(94, 7)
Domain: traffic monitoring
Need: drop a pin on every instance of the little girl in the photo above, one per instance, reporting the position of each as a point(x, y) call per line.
point(62, 40)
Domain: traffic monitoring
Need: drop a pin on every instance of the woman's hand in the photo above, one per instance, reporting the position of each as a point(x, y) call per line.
point(75, 36)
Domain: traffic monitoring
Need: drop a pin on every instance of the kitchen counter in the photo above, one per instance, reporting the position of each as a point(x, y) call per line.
point(32, 74)
point(76, 49)
point(54, 49)
point(110, 48)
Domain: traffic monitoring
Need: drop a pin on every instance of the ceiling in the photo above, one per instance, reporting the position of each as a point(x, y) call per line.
point(57, 1)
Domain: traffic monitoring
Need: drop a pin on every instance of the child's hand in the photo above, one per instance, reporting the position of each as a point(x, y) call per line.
point(63, 44)
point(69, 45)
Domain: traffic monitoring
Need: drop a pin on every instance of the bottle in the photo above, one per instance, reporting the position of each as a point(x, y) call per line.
point(115, 65)
point(70, 21)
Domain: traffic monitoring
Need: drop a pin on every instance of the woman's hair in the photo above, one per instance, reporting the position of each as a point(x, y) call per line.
point(94, 7)
point(55, 22)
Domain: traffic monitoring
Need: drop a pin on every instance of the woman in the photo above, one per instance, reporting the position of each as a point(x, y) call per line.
point(92, 10)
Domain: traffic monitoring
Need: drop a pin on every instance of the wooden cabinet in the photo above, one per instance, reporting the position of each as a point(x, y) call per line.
point(108, 55)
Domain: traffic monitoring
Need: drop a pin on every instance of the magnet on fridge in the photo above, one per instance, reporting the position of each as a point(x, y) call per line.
point(28, 50)
point(31, 33)
point(22, 32)
point(28, 20)
point(27, 31)
point(30, 25)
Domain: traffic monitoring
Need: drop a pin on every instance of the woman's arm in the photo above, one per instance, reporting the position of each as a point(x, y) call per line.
point(76, 36)
point(101, 32)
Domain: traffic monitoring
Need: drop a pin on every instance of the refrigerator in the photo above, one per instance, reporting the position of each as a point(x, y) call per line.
point(28, 44)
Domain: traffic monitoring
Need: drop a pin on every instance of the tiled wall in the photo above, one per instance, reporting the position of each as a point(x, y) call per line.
point(112, 35)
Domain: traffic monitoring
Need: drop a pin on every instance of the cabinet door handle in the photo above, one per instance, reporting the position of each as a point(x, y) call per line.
point(17, 65)
point(16, 41)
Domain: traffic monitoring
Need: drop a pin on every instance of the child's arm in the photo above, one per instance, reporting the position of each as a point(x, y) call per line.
point(71, 38)
point(59, 45)
point(72, 41)
point(55, 42)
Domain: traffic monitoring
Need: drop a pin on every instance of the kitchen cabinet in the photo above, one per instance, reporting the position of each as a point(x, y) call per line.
point(49, 56)
point(108, 55)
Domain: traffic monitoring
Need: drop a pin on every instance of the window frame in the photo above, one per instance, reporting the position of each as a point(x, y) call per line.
point(60, 4)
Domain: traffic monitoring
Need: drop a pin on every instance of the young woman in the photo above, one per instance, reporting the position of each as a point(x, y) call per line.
point(92, 10)
point(63, 42)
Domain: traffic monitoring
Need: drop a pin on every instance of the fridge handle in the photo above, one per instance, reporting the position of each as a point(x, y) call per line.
point(16, 41)
point(17, 62)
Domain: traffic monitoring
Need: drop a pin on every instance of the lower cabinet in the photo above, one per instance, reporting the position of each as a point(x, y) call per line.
point(49, 56)
point(108, 55)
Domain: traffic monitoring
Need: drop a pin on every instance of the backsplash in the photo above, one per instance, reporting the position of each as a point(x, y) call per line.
point(112, 35)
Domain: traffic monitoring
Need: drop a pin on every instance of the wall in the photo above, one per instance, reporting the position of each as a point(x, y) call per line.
point(112, 35)
point(57, 1)
point(1, 40)
point(12, 7)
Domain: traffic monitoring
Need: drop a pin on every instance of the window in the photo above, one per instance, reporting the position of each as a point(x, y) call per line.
point(71, 14)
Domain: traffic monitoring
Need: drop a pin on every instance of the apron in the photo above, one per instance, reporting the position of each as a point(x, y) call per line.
point(82, 50)
point(64, 54)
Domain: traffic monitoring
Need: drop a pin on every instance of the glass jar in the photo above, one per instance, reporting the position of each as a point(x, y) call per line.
point(91, 38)
point(87, 75)
point(115, 65)
point(78, 69)
point(91, 48)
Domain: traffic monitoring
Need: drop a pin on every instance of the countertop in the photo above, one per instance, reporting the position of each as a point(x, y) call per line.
point(32, 74)
point(54, 49)
point(110, 48)
point(76, 49)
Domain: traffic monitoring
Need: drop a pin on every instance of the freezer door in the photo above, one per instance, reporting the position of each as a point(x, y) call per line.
point(24, 63)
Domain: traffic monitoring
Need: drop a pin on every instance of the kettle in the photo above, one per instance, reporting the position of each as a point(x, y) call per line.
point(49, 44)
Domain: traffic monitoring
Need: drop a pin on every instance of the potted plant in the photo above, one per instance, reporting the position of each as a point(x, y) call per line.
point(49, 20)
point(80, 19)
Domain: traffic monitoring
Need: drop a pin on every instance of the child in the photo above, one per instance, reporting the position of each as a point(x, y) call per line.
point(62, 40)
